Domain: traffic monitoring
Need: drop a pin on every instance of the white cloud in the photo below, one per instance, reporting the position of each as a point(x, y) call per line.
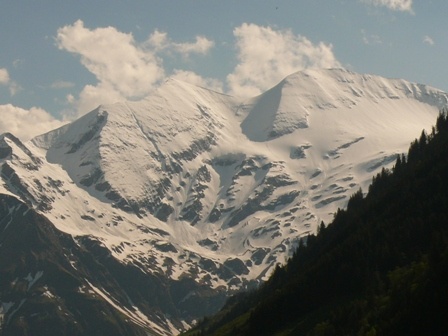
point(6, 80)
point(93, 95)
point(201, 46)
point(160, 41)
point(26, 124)
point(70, 99)
point(428, 40)
point(4, 76)
point(266, 56)
point(397, 5)
point(193, 78)
point(123, 68)
point(14, 88)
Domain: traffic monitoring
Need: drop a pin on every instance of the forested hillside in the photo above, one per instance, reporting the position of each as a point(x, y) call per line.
point(380, 268)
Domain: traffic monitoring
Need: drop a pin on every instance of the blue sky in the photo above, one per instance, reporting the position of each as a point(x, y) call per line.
point(60, 59)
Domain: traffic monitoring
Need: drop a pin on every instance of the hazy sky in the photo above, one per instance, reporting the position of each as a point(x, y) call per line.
point(60, 59)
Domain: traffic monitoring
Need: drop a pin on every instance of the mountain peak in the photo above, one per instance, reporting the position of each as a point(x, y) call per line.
point(202, 189)
point(288, 106)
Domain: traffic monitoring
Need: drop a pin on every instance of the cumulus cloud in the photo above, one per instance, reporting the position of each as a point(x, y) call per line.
point(14, 88)
point(70, 99)
point(428, 40)
point(265, 56)
point(93, 95)
point(193, 78)
point(4, 76)
point(202, 45)
point(397, 5)
point(124, 68)
point(120, 64)
point(26, 124)
point(160, 41)
point(6, 80)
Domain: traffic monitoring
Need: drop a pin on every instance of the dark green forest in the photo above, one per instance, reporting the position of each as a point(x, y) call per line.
point(380, 267)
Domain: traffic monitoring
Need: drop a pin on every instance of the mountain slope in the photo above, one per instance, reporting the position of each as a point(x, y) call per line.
point(52, 284)
point(379, 268)
point(207, 192)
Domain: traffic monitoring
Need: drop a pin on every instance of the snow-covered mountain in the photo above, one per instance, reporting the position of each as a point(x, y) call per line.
point(205, 192)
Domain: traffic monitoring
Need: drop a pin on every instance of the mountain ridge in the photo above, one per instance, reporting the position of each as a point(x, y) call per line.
point(193, 184)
